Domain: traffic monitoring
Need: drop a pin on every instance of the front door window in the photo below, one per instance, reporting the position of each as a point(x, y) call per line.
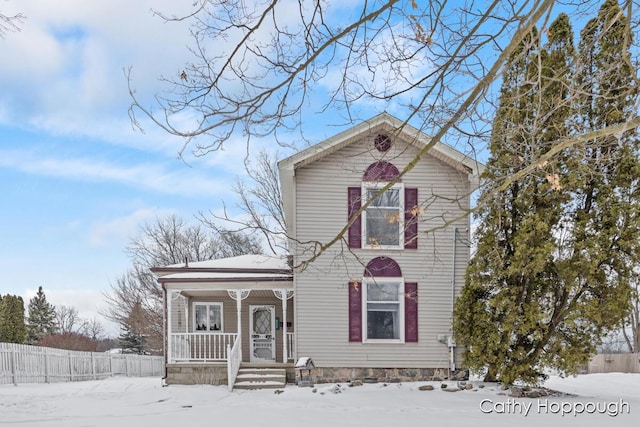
point(263, 333)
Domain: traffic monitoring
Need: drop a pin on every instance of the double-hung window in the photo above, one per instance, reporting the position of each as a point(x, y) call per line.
point(383, 220)
point(383, 309)
point(207, 316)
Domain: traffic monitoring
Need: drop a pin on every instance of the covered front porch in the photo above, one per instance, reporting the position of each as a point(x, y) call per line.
point(205, 326)
point(222, 313)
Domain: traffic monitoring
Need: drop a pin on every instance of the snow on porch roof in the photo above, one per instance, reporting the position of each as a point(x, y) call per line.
point(244, 267)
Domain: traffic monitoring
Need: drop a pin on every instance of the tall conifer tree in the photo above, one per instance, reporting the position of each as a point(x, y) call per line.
point(132, 337)
point(546, 278)
point(608, 185)
point(41, 320)
point(495, 309)
point(12, 326)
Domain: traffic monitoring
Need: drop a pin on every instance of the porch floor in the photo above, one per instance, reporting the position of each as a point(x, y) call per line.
point(267, 365)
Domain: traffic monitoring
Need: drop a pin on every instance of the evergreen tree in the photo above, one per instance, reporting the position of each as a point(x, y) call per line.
point(12, 326)
point(494, 308)
point(608, 185)
point(554, 249)
point(133, 339)
point(41, 321)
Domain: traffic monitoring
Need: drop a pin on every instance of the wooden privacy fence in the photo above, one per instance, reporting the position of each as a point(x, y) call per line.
point(614, 362)
point(31, 364)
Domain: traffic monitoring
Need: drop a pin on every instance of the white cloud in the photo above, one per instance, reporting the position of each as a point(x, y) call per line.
point(148, 176)
point(68, 60)
point(120, 229)
point(89, 303)
point(394, 63)
point(111, 129)
point(67, 76)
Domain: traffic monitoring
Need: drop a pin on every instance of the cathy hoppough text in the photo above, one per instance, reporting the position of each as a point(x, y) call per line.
point(545, 406)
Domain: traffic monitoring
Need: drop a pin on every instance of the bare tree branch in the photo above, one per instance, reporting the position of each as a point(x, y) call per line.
point(260, 203)
point(10, 24)
point(135, 299)
point(67, 319)
point(439, 63)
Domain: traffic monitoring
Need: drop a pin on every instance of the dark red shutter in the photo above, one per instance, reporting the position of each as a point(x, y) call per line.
point(354, 203)
point(355, 311)
point(410, 312)
point(411, 218)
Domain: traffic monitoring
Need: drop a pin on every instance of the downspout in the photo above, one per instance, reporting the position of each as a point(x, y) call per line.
point(451, 342)
point(293, 250)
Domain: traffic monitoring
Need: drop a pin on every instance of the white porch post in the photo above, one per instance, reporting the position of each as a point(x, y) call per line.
point(239, 314)
point(284, 326)
point(238, 295)
point(284, 295)
point(185, 301)
point(169, 326)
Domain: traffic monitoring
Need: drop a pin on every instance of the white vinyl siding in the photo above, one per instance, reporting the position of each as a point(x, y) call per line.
point(322, 289)
point(177, 318)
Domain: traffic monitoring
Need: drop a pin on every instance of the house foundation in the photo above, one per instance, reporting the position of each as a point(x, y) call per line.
point(196, 373)
point(391, 375)
point(213, 374)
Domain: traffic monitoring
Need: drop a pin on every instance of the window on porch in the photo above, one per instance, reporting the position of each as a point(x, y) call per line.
point(207, 316)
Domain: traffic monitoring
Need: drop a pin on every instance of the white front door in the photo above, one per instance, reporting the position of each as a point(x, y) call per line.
point(262, 321)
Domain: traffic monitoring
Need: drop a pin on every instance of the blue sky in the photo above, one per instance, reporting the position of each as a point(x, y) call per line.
point(76, 180)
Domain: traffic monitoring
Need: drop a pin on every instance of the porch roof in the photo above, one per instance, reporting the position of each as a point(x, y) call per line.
point(254, 270)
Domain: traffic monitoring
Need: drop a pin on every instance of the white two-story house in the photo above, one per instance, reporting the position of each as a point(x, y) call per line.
point(377, 303)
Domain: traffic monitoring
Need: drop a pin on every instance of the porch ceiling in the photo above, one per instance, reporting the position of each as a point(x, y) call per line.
point(223, 286)
point(259, 293)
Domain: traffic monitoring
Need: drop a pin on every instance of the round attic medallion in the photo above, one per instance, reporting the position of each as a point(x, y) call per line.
point(382, 142)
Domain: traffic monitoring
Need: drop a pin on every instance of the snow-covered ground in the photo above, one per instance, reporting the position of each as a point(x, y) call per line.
point(123, 402)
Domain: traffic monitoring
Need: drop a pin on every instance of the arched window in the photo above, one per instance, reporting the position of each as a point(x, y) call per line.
point(382, 266)
point(390, 221)
point(383, 307)
point(380, 171)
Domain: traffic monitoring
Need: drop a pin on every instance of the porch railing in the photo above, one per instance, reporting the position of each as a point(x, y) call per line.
point(200, 346)
point(291, 349)
point(233, 363)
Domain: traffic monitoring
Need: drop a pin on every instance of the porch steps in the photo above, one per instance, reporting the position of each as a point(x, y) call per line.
point(260, 378)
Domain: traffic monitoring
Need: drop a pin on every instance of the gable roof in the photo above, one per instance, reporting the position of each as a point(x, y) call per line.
point(383, 123)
